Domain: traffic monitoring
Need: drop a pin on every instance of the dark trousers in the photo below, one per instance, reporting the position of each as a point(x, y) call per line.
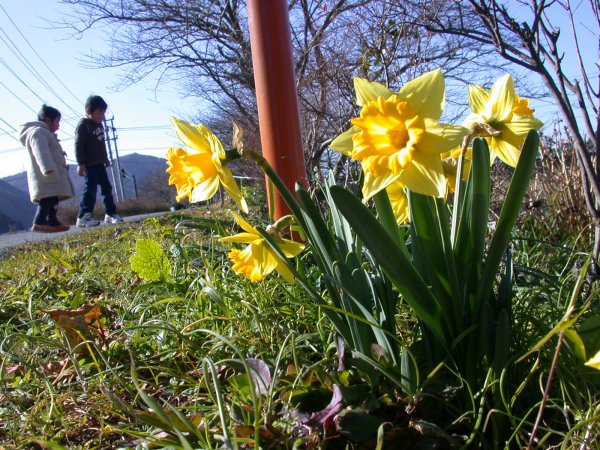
point(96, 176)
point(46, 212)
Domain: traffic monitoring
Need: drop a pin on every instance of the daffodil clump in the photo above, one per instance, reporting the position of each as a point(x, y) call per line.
point(401, 144)
point(197, 175)
point(398, 140)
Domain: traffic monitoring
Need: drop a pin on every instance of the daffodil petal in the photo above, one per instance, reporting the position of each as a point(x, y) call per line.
point(245, 225)
point(594, 362)
point(441, 137)
point(244, 238)
point(343, 143)
point(373, 184)
point(426, 94)
point(425, 175)
point(204, 190)
point(521, 125)
point(472, 119)
point(290, 248)
point(192, 136)
point(506, 151)
point(501, 100)
point(232, 189)
point(264, 257)
point(285, 272)
point(478, 98)
point(367, 91)
point(399, 202)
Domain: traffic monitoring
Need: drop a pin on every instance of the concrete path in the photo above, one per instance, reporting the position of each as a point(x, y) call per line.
point(8, 240)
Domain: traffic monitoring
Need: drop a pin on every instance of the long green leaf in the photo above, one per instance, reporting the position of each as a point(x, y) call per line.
point(387, 218)
point(472, 232)
point(433, 256)
point(320, 236)
point(340, 225)
point(392, 259)
point(509, 214)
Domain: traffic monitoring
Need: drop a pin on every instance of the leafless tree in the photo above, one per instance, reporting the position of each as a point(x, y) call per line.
point(525, 33)
point(204, 45)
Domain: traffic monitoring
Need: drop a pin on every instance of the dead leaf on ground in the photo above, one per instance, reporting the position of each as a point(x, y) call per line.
point(78, 324)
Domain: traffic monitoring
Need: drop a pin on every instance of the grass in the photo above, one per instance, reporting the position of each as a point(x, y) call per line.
point(167, 364)
point(48, 391)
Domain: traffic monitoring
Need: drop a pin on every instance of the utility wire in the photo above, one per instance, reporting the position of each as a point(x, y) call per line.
point(40, 58)
point(8, 133)
point(8, 125)
point(23, 60)
point(19, 78)
point(17, 97)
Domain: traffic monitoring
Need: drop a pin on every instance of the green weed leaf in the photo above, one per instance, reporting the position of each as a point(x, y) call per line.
point(150, 261)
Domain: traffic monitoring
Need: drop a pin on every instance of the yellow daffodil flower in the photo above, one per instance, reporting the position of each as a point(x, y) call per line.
point(502, 118)
point(594, 362)
point(398, 137)
point(197, 174)
point(258, 259)
point(399, 202)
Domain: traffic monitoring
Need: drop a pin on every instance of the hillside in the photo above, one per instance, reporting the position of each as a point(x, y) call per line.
point(16, 210)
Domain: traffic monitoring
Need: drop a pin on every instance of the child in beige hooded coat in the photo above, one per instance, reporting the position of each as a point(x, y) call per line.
point(47, 175)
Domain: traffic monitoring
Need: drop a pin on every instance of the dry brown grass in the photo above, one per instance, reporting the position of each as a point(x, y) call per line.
point(128, 207)
point(555, 206)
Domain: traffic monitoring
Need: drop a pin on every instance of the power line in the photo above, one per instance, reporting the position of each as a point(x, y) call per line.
point(38, 55)
point(7, 124)
point(17, 97)
point(8, 133)
point(19, 78)
point(23, 60)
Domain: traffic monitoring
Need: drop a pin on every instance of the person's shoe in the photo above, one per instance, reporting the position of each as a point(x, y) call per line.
point(87, 221)
point(114, 218)
point(49, 228)
point(60, 227)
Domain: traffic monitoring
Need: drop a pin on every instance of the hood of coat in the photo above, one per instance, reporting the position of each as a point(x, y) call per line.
point(30, 127)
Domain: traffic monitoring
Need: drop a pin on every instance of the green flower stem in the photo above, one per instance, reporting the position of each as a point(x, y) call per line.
point(458, 191)
point(287, 195)
point(231, 154)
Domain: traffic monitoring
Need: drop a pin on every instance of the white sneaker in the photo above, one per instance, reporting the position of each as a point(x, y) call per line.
point(115, 218)
point(87, 221)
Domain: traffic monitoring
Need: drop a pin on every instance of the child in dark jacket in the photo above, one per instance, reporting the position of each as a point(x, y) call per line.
point(92, 160)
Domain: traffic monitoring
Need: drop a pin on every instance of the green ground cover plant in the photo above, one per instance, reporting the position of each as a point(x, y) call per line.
point(187, 338)
point(437, 324)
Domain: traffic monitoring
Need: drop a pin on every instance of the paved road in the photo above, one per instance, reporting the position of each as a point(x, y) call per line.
point(8, 240)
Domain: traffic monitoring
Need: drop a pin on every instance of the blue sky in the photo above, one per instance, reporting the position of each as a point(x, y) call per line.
point(39, 64)
point(30, 50)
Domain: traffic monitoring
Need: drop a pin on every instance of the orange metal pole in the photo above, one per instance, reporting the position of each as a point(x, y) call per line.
point(270, 39)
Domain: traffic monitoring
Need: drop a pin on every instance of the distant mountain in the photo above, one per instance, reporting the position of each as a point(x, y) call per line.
point(147, 170)
point(16, 210)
